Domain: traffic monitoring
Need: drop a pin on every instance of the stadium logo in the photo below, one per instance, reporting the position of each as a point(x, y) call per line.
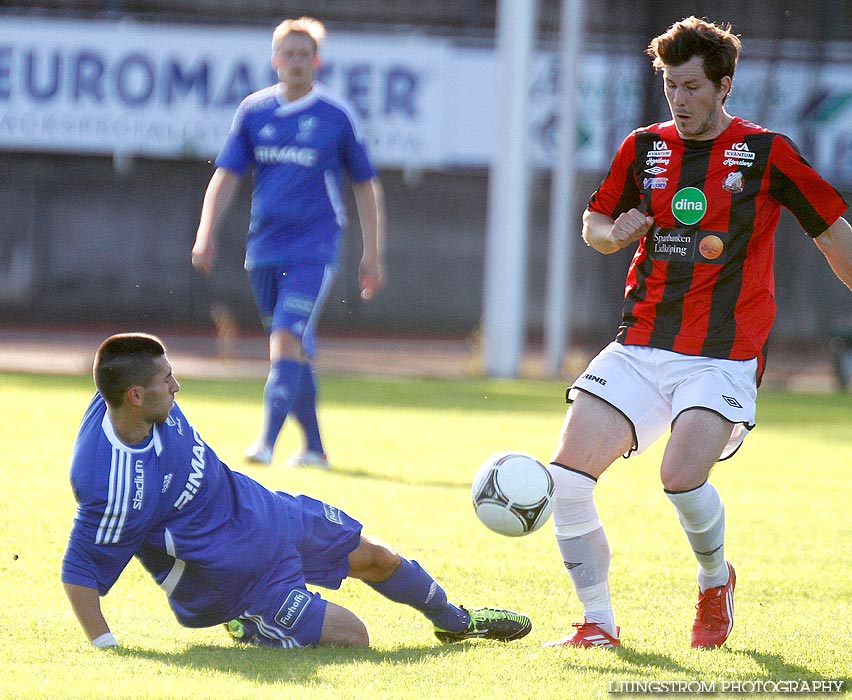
point(294, 607)
point(689, 205)
point(139, 484)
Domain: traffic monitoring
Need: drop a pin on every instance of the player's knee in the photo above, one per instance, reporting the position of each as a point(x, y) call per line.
point(284, 345)
point(676, 478)
point(343, 628)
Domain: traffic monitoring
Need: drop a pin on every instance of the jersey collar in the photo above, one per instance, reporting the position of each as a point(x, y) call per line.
point(284, 107)
point(155, 441)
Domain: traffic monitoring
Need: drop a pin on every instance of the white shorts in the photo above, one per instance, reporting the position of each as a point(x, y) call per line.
point(652, 387)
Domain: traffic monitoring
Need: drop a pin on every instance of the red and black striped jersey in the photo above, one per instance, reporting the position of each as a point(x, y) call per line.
point(702, 279)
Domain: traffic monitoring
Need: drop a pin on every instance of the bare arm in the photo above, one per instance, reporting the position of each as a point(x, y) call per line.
point(607, 236)
point(836, 245)
point(86, 604)
point(370, 200)
point(218, 196)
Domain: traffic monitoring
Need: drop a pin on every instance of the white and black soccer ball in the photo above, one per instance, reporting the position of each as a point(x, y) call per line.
point(512, 493)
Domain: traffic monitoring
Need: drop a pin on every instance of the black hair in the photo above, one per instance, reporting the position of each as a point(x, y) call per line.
point(125, 360)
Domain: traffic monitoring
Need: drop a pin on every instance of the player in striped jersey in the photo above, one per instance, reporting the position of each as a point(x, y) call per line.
point(300, 141)
point(701, 194)
point(225, 549)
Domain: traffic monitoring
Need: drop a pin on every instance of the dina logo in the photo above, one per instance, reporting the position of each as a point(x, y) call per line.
point(689, 205)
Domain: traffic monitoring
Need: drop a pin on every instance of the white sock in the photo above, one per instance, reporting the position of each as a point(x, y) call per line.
point(583, 544)
point(702, 517)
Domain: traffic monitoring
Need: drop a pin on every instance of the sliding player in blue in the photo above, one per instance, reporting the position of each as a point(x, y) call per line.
point(225, 549)
point(300, 142)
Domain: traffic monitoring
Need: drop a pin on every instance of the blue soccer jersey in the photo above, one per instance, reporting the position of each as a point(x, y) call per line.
point(300, 152)
point(215, 540)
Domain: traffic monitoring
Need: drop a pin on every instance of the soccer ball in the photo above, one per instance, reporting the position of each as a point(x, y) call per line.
point(512, 493)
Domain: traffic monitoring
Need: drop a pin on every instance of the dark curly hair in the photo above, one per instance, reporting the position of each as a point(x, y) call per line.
point(716, 44)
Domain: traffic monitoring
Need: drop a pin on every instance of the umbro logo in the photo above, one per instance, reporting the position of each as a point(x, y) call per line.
point(731, 401)
point(656, 170)
point(571, 564)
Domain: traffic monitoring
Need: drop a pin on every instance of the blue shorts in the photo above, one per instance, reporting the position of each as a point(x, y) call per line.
point(285, 613)
point(291, 297)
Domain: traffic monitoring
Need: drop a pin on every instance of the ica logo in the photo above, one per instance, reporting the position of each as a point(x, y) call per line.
point(689, 205)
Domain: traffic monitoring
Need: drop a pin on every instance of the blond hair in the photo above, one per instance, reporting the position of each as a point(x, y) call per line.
point(310, 27)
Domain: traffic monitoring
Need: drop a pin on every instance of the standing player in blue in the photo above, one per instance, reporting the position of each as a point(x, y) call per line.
point(225, 549)
point(301, 142)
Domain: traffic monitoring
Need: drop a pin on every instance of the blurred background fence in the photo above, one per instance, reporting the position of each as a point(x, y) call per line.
point(111, 114)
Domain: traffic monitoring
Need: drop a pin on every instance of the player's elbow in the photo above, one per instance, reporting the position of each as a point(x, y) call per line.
point(597, 232)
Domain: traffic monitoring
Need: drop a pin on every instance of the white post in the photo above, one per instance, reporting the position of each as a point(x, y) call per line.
point(563, 220)
point(505, 284)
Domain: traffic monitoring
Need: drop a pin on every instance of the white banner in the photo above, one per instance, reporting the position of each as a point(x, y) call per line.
point(170, 91)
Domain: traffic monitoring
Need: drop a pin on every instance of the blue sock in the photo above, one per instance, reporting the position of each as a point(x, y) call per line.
point(412, 585)
point(278, 395)
point(304, 409)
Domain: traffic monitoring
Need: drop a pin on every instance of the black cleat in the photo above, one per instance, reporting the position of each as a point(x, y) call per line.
point(489, 623)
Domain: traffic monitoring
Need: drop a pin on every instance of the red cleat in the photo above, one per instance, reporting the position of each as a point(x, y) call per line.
point(714, 618)
point(588, 634)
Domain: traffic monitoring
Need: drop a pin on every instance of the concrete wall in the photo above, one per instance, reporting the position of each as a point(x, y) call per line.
point(84, 242)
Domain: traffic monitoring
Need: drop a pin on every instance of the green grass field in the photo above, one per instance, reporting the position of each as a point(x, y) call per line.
point(405, 451)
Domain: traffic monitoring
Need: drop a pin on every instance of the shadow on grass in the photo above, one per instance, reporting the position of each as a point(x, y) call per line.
point(656, 666)
point(649, 664)
point(780, 669)
point(296, 666)
point(487, 395)
point(361, 474)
